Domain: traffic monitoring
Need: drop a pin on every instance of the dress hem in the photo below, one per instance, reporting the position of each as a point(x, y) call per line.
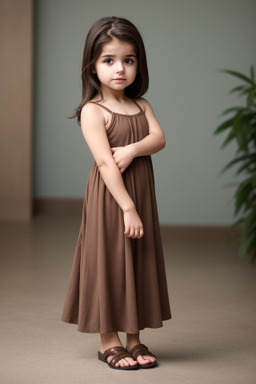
point(118, 330)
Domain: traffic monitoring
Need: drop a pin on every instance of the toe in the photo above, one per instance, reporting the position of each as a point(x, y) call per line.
point(143, 360)
point(122, 363)
point(119, 364)
point(126, 363)
point(131, 361)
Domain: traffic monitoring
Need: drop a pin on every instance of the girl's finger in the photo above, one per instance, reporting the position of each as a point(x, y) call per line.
point(131, 234)
point(141, 233)
point(126, 231)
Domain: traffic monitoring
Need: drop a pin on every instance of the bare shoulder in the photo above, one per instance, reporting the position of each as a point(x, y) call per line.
point(92, 114)
point(91, 111)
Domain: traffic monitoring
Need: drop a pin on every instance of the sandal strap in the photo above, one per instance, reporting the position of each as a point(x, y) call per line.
point(118, 353)
point(140, 350)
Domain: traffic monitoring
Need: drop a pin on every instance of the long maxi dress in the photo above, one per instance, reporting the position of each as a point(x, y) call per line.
point(118, 283)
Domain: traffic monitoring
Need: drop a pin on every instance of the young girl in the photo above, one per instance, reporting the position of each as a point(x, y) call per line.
point(118, 280)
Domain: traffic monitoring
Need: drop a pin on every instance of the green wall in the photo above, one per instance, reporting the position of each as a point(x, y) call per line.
point(187, 42)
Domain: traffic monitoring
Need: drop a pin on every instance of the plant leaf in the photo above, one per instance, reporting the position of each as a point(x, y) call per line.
point(226, 124)
point(236, 160)
point(232, 109)
point(250, 223)
point(241, 140)
point(239, 75)
point(247, 245)
point(238, 89)
point(251, 96)
point(245, 166)
point(242, 193)
point(248, 90)
point(231, 136)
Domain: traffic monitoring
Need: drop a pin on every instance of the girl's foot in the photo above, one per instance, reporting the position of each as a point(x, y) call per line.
point(109, 340)
point(143, 360)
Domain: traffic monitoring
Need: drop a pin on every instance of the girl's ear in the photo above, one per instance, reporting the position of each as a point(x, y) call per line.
point(93, 70)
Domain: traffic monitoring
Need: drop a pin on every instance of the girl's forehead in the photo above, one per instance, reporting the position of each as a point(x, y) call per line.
point(116, 46)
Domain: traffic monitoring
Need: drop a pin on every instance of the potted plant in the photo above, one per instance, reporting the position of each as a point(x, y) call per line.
point(240, 127)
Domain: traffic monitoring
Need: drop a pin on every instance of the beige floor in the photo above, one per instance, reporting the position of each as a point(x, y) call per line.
point(211, 338)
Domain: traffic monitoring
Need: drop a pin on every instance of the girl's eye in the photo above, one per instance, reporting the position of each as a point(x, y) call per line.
point(108, 61)
point(128, 61)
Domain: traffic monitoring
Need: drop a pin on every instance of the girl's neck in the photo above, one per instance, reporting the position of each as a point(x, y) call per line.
point(114, 96)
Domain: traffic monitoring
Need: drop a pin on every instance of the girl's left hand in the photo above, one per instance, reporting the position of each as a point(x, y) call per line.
point(123, 156)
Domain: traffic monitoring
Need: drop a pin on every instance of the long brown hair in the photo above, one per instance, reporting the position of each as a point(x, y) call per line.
point(100, 33)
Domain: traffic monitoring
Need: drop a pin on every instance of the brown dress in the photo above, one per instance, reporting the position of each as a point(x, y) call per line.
point(118, 283)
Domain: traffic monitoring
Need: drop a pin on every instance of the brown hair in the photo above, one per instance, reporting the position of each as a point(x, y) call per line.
point(100, 33)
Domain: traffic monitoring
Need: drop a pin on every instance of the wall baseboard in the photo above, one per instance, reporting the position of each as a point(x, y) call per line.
point(57, 205)
point(173, 231)
point(195, 232)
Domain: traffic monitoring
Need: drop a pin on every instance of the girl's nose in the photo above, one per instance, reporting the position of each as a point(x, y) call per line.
point(120, 67)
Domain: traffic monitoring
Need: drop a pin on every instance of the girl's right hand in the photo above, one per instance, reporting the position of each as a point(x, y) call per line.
point(133, 224)
point(123, 156)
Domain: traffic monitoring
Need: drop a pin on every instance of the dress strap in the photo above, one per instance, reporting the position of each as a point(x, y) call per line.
point(135, 102)
point(107, 109)
point(102, 106)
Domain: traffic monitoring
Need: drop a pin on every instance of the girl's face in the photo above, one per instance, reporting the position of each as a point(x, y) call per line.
point(116, 67)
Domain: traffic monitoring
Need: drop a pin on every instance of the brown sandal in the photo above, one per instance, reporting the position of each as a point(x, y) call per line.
point(118, 353)
point(142, 350)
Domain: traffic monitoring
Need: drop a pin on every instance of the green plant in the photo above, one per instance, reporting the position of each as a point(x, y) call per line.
point(241, 127)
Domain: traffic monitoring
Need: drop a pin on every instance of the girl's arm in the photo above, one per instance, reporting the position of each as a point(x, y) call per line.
point(93, 128)
point(154, 142)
